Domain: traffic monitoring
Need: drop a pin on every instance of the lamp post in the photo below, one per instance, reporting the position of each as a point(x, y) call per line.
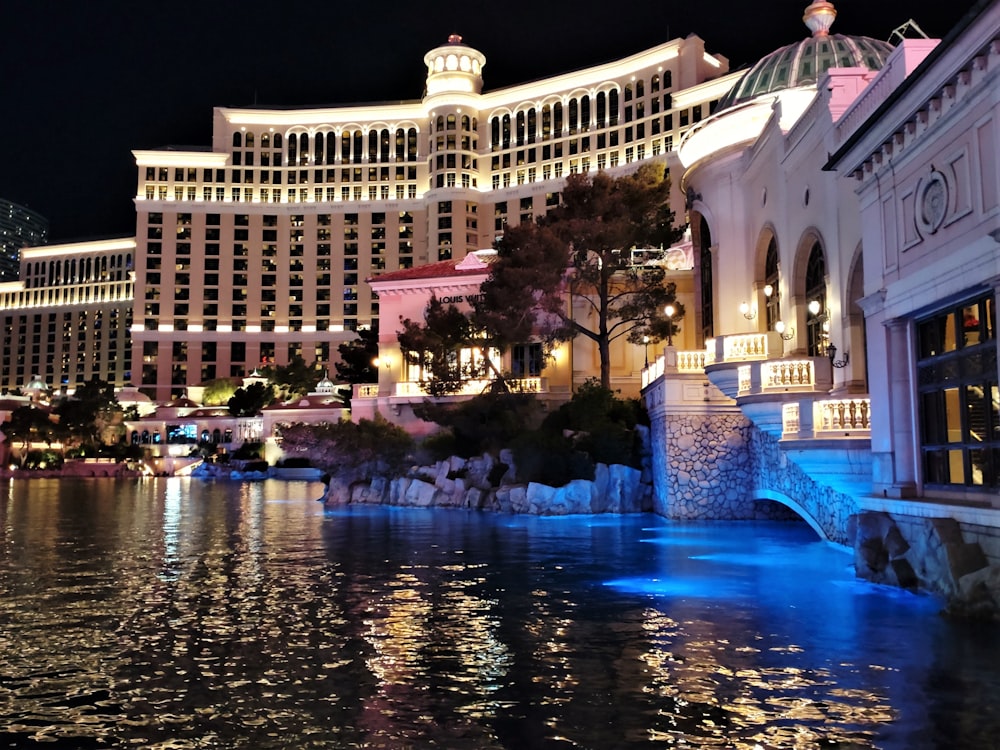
point(669, 311)
point(645, 344)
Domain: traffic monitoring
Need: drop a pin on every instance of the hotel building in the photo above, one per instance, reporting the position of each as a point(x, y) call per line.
point(19, 227)
point(257, 249)
point(68, 318)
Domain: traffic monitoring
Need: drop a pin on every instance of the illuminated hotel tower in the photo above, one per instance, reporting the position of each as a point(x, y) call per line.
point(257, 249)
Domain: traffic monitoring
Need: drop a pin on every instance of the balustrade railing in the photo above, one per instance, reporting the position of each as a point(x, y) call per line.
point(790, 419)
point(745, 346)
point(367, 390)
point(413, 389)
point(844, 415)
point(743, 374)
point(693, 361)
point(787, 373)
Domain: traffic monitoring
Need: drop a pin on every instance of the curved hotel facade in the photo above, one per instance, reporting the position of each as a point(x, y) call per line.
point(257, 249)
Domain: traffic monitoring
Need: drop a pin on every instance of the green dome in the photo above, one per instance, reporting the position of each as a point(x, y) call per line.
point(804, 62)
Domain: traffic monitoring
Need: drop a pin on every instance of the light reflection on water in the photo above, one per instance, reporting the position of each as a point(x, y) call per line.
point(174, 613)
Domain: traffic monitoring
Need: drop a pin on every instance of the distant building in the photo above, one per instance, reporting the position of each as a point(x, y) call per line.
point(19, 227)
point(67, 319)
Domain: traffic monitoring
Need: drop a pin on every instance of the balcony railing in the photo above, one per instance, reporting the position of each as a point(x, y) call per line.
point(844, 416)
point(413, 389)
point(686, 362)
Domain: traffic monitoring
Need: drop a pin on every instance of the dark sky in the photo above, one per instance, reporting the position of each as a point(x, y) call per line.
point(82, 84)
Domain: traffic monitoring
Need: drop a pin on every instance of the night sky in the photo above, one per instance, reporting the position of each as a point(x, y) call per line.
point(82, 84)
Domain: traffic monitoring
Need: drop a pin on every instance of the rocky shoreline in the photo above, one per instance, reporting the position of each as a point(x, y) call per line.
point(488, 483)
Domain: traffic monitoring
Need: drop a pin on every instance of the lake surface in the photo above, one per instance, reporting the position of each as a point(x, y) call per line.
point(175, 613)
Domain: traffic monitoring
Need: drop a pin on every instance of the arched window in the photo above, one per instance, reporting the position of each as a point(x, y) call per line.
point(237, 139)
point(303, 148)
point(451, 122)
point(204, 436)
point(465, 122)
point(248, 143)
point(640, 89)
point(358, 147)
point(265, 140)
point(277, 140)
point(585, 114)
point(345, 147)
point(532, 125)
point(135, 437)
point(705, 268)
point(506, 131)
point(574, 116)
point(817, 318)
point(145, 437)
point(772, 301)
point(400, 144)
point(216, 435)
point(520, 128)
point(654, 83)
point(372, 146)
point(494, 133)
point(628, 92)
point(602, 109)
point(668, 79)
point(385, 152)
point(613, 107)
point(318, 143)
point(411, 144)
point(557, 119)
point(292, 149)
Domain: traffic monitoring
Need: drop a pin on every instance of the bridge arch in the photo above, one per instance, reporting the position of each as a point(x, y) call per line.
point(805, 515)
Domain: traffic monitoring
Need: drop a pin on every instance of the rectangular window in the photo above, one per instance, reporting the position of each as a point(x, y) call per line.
point(959, 399)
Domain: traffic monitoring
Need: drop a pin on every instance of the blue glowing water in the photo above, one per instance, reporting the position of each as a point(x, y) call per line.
point(181, 614)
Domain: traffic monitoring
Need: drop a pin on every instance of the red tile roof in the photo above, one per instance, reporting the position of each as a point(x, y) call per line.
point(441, 269)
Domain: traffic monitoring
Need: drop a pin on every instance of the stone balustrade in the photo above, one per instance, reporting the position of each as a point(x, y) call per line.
point(787, 373)
point(848, 416)
point(675, 361)
point(413, 389)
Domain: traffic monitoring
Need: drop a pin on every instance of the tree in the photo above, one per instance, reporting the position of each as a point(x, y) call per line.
point(435, 346)
point(583, 246)
point(357, 357)
point(92, 416)
point(29, 424)
point(294, 379)
point(249, 401)
point(219, 391)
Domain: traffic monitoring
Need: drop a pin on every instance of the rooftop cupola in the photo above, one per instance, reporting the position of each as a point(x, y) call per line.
point(454, 68)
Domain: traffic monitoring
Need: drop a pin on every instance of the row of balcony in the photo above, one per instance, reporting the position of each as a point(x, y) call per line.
point(784, 396)
point(413, 389)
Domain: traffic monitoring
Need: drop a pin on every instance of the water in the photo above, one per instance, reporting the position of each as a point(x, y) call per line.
point(172, 613)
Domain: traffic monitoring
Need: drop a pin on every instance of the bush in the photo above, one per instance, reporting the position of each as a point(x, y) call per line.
point(353, 452)
point(603, 424)
point(437, 447)
point(549, 458)
point(43, 460)
point(248, 452)
point(484, 423)
point(296, 462)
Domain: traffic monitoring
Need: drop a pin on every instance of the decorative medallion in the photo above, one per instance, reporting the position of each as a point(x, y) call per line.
point(933, 202)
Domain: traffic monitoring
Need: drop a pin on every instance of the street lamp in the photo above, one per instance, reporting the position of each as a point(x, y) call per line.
point(831, 352)
point(645, 344)
point(669, 311)
point(780, 329)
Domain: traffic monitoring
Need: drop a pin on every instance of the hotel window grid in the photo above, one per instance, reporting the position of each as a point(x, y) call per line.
point(958, 396)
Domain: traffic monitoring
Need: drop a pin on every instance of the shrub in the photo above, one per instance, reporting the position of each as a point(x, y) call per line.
point(352, 452)
point(549, 458)
point(248, 452)
point(485, 423)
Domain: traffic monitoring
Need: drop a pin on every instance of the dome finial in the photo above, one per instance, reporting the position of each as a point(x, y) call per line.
point(819, 17)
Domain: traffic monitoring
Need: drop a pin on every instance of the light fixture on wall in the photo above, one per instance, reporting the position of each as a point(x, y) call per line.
point(669, 311)
point(786, 333)
point(831, 352)
point(817, 311)
point(748, 312)
point(768, 290)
